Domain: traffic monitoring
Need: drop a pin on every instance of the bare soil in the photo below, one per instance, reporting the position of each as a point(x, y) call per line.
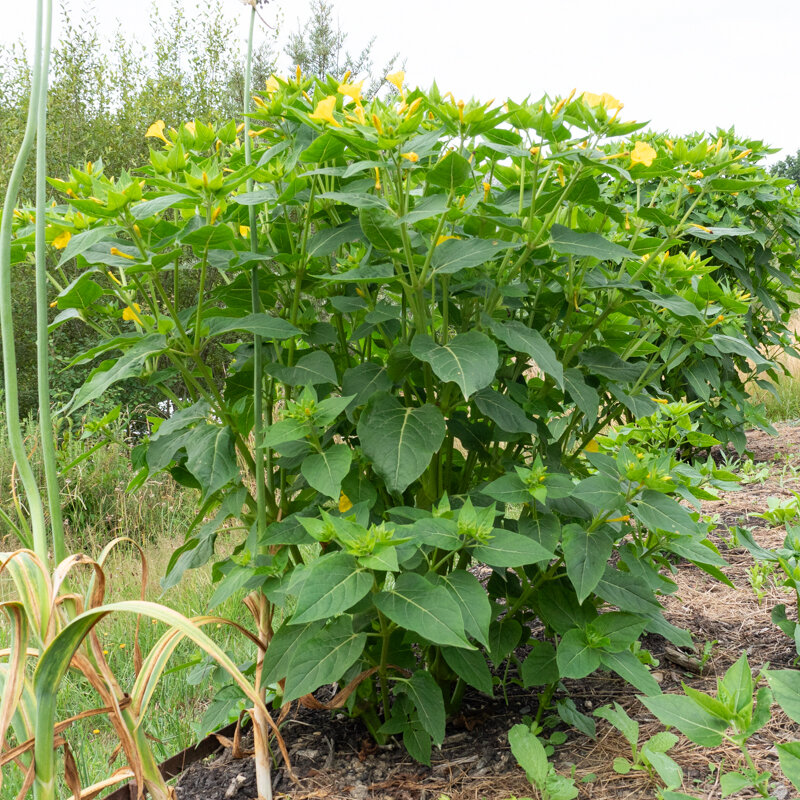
point(335, 759)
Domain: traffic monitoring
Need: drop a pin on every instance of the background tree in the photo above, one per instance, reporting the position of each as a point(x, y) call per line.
point(789, 168)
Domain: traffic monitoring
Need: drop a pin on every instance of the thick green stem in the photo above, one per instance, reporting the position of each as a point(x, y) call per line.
point(42, 340)
point(17, 446)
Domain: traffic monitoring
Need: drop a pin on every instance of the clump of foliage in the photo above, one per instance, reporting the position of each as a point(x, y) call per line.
point(432, 310)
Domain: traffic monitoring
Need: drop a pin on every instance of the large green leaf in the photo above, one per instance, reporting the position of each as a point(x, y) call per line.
point(508, 549)
point(453, 255)
point(600, 491)
point(363, 381)
point(325, 471)
point(312, 369)
point(333, 583)
point(540, 667)
point(585, 555)
point(789, 756)
point(469, 359)
point(564, 240)
point(627, 666)
point(211, 457)
point(399, 441)
point(658, 512)
point(285, 644)
point(575, 657)
point(470, 666)
point(688, 717)
point(381, 227)
point(264, 325)
point(785, 683)
point(500, 408)
point(523, 339)
point(427, 698)
point(584, 396)
point(428, 610)
point(450, 172)
point(323, 659)
point(473, 601)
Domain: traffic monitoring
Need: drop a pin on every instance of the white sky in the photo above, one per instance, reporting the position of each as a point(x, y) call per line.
point(683, 64)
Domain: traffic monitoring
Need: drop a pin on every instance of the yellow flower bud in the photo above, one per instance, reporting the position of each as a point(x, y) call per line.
point(487, 187)
point(115, 251)
point(377, 124)
point(411, 156)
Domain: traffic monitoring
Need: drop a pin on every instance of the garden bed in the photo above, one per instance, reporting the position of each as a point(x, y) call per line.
point(334, 757)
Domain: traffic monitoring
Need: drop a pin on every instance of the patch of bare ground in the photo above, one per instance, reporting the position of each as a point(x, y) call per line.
point(336, 760)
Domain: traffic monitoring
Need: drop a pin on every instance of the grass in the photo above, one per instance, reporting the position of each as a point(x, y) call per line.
point(98, 509)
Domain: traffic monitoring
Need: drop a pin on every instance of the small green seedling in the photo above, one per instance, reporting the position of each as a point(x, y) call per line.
point(734, 715)
point(758, 576)
point(532, 757)
point(652, 756)
point(779, 512)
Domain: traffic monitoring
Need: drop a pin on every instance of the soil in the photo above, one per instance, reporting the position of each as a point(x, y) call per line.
point(335, 759)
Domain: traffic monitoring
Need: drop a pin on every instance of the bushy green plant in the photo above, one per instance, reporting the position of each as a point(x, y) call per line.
point(442, 306)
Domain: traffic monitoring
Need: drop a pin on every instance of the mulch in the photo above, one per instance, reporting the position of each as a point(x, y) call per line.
point(335, 758)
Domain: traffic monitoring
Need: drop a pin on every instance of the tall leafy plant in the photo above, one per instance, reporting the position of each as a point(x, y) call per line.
point(441, 306)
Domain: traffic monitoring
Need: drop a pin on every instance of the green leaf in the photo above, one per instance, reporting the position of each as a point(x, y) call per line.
point(333, 583)
point(469, 359)
point(381, 227)
point(363, 381)
point(325, 471)
point(126, 366)
point(399, 441)
point(310, 370)
point(734, 346)
point(733, 782)
point(621, 765)
point(471, 666)
point(417, 742)
point(453, 255)
point(785, 683)
point(83, 241)
point(586, 555)
point(605, 362)
point(450, 172)
point(328, 240)
point(428, 610)
point(522, 339)
point(433, 206)
point(627, 592)
point(264, 325)
point(600, 491)
point(691, 720)
point(736, 686)
point(323, 659)
point(356, 199)
point(507, 549)
point(576, 658)
point(620, 628)
point(500, 408)
point(668, 770)
point(584, 396)
point(286, 642)
point(473, 601)
point(211, 457)
point(627, 666)
point(158, 204)
point(789, 755)
point(508, 488)
point(285, 430)
point(504, 637)
point(208, 236)
point(618, 717)
point(564, 240)
point(427, 698)
point(530, 754)
point(540, 668)
point(658, 512)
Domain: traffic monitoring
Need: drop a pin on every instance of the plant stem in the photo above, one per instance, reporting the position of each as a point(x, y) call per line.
point(16, 444)
point(42, 339)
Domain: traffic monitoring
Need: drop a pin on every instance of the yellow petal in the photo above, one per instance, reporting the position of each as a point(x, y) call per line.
point(610, 102)
point(412, 157)
point(115, 251)
point(344, 503)
point(244, 231)
point(643, 153)
point(351, 90)
point(324, 111)
point(272, 85)
point(592, 447)
point(396, 79)
point(62, 240)
point(156, 130)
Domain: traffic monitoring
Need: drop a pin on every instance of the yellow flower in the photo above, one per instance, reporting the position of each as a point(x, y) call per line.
point(244, 231)
point(461, 112)
point(96, 731)
point(156, 131)
point(643, 153)
point(696, 174)
point(606, 100)
point(377, 123)
point(624, 518)
point(660, 400)
point(324, 111)
point(62, 240)
point(444, 239)
point(396, 79)
point(344, 503)
point(115, 251)
point(592, 447)
point(122, 646)
point(105, 652)
point(54, 304)
point(351, 90)
point(412, 157)
point(215, 214)
point(132, 315)
point(560, 173)
point(190, 126)
point(114, 278)
point(298, 73)
point(377, 179)
point(669, 144)
point(487, 187)
point(415, 104)
point(743, 154)
point(272, 85)
point(534, 151)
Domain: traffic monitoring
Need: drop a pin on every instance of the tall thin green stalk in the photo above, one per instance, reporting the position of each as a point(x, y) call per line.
point(42, 339)
point(258, 358)
point(16, 444)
